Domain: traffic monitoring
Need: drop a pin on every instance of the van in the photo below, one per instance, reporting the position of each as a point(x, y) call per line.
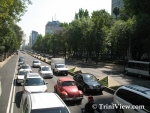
point(132, 99)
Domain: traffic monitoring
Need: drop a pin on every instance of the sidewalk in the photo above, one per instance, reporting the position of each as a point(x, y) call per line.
point(5, 61)
point(100, 64)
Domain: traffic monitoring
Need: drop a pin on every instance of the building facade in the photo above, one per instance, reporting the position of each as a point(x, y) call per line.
point(51, 27)
point(116, 3)
point(30, 40)
point(34, 36)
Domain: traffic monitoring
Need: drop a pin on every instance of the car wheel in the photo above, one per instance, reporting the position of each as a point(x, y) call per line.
point(120, 111)
point(84, 89)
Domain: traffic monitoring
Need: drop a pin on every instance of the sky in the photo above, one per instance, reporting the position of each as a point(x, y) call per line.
point(42, 11)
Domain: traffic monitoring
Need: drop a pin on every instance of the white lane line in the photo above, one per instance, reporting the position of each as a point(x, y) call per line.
point(11, 91)
point(13, 100)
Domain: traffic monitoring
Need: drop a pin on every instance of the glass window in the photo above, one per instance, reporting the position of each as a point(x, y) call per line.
point(122, 93)
point(34, 82)
point(89, 77)
point(36, 61)
point(68, 83)
point(60, 66)
point(25, 67)
point(45, 69)
point(51, 110)
point(23, 72)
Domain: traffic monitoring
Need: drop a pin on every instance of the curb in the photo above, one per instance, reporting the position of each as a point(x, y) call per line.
point(0, 88)
point(6, 60)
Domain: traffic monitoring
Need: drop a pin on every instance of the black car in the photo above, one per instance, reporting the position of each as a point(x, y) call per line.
point(88, 82)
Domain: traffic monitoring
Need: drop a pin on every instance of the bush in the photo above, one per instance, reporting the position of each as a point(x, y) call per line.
point(72, 70)
point(104, 81)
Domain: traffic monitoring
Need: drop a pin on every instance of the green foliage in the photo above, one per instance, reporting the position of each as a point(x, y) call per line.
point(72, 70)
point(104, 81)
point(116, 11)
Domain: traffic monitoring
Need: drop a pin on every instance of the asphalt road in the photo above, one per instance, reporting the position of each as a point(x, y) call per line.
point(117, 75)
point(14, 95)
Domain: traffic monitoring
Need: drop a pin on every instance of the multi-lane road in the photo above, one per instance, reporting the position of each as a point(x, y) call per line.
point(11, 93)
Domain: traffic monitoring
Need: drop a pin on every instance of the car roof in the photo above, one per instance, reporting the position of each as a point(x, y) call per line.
point(36, 60)
point(23, 70)
point(63, 79)
point(139, 89)
point(83, 74)
point(33, 75)
point(46, 100)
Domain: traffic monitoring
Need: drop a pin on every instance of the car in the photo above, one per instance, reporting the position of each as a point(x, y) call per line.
point(88, 82)
point(42, 103)
point(45, 72)
point(33, 82)
point(21, 59)
point(26, 67)
point(20, 75)
point(132, 95)
point(67, 89)
point(36, 63)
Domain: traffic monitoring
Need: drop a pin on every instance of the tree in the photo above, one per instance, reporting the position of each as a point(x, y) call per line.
point(116, 12)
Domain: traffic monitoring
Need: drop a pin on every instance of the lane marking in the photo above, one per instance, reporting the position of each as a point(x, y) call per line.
point(11, 91)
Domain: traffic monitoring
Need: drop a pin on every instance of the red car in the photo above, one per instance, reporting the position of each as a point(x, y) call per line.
point(66, 88)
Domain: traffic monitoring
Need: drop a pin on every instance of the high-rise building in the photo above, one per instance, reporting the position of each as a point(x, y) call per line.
point(51, 27)
point(34, 36)
point(30, 40)
point(116, 3)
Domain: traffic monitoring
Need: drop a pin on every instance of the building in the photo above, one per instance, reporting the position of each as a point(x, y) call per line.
point(116, 3)
point(51, 27)
point(30, 40)
point(34, 36)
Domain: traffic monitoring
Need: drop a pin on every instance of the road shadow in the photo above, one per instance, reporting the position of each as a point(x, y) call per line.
point(18, 98)
point(15, 83)
point(93, 93)
point(73, 103)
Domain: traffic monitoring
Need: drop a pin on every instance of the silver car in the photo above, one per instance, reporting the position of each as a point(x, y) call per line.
point(36, 63)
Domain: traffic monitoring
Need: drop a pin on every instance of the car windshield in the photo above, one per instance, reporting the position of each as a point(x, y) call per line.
point(45, 69)
point(60, 66)
point(23, 72)
point(68, 83)
point(89, 77)
point(36, 61)
point(25, 67)
point(34, 82)
point(51, 110)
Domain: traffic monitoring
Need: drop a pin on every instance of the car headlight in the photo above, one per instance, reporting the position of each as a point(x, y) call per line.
point(90, 86)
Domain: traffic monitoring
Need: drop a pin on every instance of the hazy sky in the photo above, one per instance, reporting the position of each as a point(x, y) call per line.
point(42, 11)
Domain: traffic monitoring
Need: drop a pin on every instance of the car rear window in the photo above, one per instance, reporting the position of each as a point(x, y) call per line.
point(68, 83)
point(34, 82)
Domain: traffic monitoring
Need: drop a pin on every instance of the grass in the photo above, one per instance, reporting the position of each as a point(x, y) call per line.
point(104, 81)
point(115, 87)
point(72, 70)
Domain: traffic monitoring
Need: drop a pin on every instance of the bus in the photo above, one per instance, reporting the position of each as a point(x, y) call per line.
point(139, 68)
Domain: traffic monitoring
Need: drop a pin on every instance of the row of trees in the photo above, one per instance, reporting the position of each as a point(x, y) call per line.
point(10, 33)
point(100, 33)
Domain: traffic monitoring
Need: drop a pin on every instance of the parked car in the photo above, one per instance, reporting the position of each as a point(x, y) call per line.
point(20, 76)
point(21, 59)
point(45, 72)
point(36, 63)
point(42, 103)
point(88, 82)
point(34, 83)
point(132, 95)
point(67, 89)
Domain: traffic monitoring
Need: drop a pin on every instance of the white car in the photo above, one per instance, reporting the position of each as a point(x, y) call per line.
point(26, 67)
point(20, 75)
point(45, 72)
point(42, 103)
point(36, 63)
point(34, 83)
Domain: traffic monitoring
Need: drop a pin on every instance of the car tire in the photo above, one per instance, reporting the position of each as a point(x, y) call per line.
point(120, 111)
